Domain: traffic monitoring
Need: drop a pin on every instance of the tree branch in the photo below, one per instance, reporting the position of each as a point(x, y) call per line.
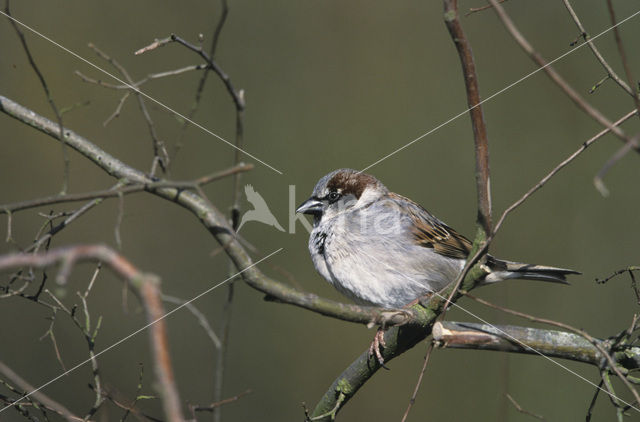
point(555, 77)
point(552, 343)
point(608, 364)
point(583, 33)
point(417, 320)
point(144, 285)
point(452, 21)
point(116, 192)
point(400, 339)
point(39, 396)
point(397, 341)
point(213, 220)
point(47, 92)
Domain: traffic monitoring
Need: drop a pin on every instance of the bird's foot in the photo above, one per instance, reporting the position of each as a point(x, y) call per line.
point(385, 320)
point(378, 343)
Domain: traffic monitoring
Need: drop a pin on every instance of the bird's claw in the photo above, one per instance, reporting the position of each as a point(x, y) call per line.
point(376, 344)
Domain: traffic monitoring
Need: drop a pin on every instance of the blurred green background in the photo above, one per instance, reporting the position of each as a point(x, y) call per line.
point(328, 84)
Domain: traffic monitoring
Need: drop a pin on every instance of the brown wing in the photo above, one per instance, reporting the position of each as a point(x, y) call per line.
point(430, 232)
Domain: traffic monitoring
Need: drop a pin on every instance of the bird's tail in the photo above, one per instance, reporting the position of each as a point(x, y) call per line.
point(503, 270)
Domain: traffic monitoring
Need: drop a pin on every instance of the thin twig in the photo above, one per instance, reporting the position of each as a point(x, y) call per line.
point(557, 168)
point(38, 395)
point(480, 9)
point(593, 400)
point(235, 221)
point(45, 87)
point(598, 179)
point(133, 87)
point(629, 270)
point(124, 190)
point(221, 356)
point(203, 79)
point(159, 150)
point(235, 94)
point(613, 366)
point(556, 78)
point(119, 219)
point(49, 333)
point(521, 410)
point(207, 214)
point(419, 383)
point(623, 56)
point(90, 338)
point(584, 35)
point(118, 109)
point(211, 407)
point(145, 285)
point(202, 319)
point(35, 246)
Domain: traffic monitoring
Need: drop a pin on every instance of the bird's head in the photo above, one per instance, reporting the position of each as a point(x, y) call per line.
point(341, 191)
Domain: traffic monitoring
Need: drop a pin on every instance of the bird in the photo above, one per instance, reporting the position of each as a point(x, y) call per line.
point(260, 213)
point(380, 248)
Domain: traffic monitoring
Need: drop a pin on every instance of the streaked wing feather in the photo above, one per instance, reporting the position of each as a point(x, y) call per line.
point(430, 232)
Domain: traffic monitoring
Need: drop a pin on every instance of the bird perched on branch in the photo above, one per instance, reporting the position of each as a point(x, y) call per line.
point(380, 248)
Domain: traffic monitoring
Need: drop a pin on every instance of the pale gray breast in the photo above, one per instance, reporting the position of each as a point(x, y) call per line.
point(370, 256)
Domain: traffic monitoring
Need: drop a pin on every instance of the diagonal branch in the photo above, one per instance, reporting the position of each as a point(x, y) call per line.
point(397, 341)
point(47, 92)
point(144, 285)
point(213, 220)
point(559, 80)
point(39, 396)
point(415, 322)
point(585, 35)
point(118, 191)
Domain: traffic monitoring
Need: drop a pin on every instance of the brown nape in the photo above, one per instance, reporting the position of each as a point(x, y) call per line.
point(351, 182)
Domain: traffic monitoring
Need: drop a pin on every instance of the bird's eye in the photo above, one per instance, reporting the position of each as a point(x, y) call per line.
point(333, 196)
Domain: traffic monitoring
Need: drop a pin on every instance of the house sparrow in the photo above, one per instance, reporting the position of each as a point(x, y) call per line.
point(380, 248)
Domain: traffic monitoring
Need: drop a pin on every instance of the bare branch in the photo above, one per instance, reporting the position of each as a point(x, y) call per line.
point(629, 270)
point(145, 285)
point(211, 407)
point(202, 320)
point(521, 410)
point(583, 34)
point(514, 339)
point(463, 47)
point(598, 179)
point(612, 364)
point(45, 87)
point(417, 387)
point(159, 150)
point(557, 168)
point(38, 395)
point(555, 77)
point(117, 192)
point(473, 10)
point(452, 21)
point(227, 309)
point(623, 56)
point(207, 214)
point(397, 340)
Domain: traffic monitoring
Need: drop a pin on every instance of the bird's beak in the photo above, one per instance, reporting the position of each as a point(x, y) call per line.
point(311, 206)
